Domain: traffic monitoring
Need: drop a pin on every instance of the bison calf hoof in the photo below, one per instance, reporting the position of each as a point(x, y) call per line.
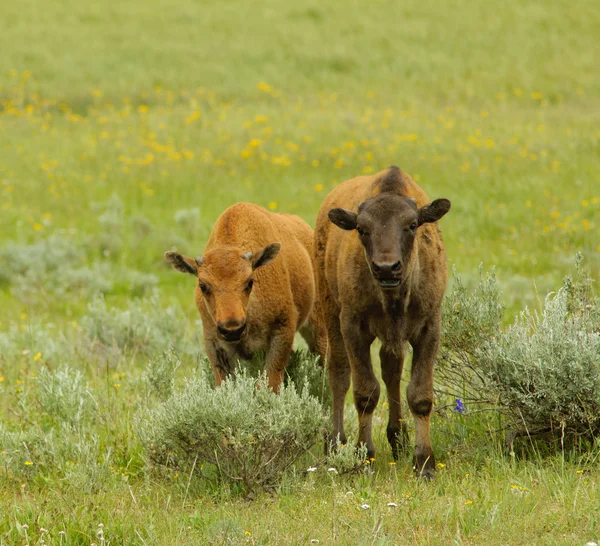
point(424, 465)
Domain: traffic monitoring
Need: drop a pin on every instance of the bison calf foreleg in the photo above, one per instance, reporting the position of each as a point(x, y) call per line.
point(391, 371)
point(420, 396)
point(278, 355)
point(221, 361)
point(364, 383)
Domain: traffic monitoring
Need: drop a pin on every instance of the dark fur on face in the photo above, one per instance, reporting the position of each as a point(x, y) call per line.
point(387, 225)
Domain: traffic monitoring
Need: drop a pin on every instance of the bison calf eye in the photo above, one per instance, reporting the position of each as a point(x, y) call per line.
point(203, 287)
point(413, 226)
point(250, 285)
point(361, 231)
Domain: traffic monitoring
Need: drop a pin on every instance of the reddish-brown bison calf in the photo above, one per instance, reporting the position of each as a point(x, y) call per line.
point(383, 274)
point(255, 289)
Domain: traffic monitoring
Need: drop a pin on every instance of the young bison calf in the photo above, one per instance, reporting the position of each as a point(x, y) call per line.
point(383, 274)
point(255, 289)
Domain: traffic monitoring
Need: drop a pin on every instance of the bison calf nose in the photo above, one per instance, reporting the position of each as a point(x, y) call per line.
point(386, 269)
point(231, 334)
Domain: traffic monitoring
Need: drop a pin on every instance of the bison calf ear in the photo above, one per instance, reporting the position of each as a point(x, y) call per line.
point(266, 255)
point(342, 218)
point(182, 263)
point(433, 211)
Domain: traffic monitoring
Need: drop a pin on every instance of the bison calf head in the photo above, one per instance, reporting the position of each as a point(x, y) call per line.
point(387, 225)
point(225, 282)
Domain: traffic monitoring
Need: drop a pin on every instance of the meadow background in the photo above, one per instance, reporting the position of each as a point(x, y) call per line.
point(127, 127)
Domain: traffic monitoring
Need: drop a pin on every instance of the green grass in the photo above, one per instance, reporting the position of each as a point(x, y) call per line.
point(202, 105)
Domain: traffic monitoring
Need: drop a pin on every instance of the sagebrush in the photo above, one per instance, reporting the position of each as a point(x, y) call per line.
point(248, 433)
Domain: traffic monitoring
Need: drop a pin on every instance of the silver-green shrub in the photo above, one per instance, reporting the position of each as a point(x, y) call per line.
point(65, 396)
point(144, 327)
point(347, 458)
point(543, 372)
point(19, 344)
point(59, 265)
point(305, 369)
point(546, 366)
point(250, 434)
point(159, 375)
point(37, 260)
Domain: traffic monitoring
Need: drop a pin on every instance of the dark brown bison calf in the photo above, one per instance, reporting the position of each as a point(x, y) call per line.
point(255, 288)
point(383, 274)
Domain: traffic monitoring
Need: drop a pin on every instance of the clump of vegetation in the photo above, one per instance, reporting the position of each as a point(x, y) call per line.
point(546, 366)
point(543, 372)
point(347, 458)
point(37, 260)
point(19, 344)
point(249, 434)
point(144, 327)
point(304, 370)
point(65, 396)
point(160, 374)
point(55, 266)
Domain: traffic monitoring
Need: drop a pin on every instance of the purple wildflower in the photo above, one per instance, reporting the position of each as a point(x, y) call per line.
point(460, 407)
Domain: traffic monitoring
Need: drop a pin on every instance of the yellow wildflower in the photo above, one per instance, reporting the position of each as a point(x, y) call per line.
point(265, 87)
point(192, 117)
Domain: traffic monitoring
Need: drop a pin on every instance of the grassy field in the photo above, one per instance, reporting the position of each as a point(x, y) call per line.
point(127, 127)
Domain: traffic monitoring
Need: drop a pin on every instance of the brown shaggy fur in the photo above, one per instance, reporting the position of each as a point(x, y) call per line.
point(383, 274)
point(255, 289)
